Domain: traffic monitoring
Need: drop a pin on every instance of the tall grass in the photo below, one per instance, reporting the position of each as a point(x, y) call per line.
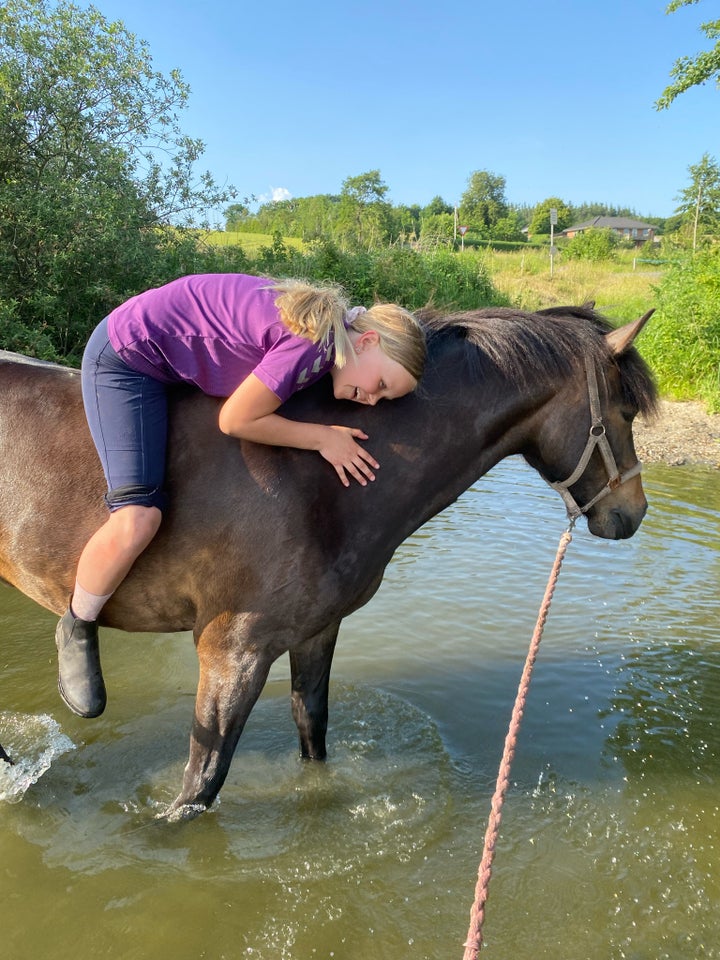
point(251, 243)
point(622, 288)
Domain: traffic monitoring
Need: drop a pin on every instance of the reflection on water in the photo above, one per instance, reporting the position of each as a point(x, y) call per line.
point(608, 846)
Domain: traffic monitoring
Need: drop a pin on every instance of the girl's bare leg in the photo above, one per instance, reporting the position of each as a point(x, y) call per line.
point(103, 565)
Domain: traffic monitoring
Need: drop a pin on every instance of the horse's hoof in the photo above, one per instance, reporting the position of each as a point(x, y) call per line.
point(80, 679)
point(179, 813)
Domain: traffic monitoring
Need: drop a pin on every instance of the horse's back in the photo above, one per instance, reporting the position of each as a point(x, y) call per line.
point(232, 504)
point(31, 389)
point(7, 356)
point(48, 476)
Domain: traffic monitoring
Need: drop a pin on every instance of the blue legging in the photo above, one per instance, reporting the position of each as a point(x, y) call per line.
point(127, 415)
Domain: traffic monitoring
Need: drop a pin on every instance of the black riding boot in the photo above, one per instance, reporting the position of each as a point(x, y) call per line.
point(80, 679)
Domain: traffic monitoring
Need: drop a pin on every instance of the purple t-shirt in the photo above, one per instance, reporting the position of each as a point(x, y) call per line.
point(213, 330)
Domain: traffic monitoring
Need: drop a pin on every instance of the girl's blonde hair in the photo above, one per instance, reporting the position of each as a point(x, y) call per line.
point(401, 336)
point(318, 313)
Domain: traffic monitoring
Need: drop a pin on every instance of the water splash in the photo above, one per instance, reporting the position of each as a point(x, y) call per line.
point(33, 741)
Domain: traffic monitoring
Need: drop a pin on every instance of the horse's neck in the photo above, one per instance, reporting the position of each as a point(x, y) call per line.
point(461, 437)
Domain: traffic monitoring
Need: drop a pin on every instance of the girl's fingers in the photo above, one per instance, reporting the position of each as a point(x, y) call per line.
point(358, 469)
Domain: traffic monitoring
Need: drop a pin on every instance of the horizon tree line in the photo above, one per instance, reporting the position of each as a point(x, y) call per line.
point(362, 216)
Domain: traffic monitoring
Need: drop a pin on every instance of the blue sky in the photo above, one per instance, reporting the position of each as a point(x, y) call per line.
point(292, 97)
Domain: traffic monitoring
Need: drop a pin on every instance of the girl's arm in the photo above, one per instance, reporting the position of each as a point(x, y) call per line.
point(249, 413)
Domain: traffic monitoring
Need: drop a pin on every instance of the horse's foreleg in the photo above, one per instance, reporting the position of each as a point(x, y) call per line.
point(310, 664)
point(4, 756)
point(232, 675)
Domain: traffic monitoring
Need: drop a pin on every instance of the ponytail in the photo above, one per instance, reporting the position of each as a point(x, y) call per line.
point(321, 314)
point(316, 313)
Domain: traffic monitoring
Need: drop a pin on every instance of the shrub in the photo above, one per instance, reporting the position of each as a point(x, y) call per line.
point(682, 341)
point(592, 245)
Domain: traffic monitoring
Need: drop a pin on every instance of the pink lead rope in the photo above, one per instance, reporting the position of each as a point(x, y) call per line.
point(477, 914)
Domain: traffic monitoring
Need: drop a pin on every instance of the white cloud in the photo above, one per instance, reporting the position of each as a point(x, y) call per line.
point(275, 195)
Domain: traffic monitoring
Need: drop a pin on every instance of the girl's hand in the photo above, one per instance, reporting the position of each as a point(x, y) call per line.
point(348, 457)
point(249, 413)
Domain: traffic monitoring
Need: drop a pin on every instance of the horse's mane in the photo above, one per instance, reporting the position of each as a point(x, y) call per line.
point(527, 347)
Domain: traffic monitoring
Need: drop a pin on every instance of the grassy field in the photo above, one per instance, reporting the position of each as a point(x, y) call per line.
point(250, 242)
point(620, 288)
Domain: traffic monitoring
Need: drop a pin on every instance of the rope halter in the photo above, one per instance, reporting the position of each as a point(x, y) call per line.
point(596, 438)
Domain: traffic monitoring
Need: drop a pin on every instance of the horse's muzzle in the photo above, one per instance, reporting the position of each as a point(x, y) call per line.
point(618, 523)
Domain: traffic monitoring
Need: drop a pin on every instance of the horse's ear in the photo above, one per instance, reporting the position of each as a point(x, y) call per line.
point(622, 338)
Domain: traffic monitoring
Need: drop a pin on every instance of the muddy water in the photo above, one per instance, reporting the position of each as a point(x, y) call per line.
point(609, 846)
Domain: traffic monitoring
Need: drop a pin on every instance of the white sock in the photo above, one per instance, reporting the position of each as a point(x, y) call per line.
point(87, 606)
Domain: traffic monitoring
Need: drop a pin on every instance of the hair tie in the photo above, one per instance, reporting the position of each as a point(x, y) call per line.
point(352, 314)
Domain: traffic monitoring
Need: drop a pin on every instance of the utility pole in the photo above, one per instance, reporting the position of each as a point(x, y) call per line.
point(697, 214)
point(553, 251)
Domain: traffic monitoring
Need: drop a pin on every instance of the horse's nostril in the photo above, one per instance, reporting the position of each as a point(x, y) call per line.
point(625, 525)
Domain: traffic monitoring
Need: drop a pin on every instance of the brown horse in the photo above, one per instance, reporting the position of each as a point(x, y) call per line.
point(264, 552)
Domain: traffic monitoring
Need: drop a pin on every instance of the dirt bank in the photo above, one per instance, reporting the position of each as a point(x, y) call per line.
point(683, 433)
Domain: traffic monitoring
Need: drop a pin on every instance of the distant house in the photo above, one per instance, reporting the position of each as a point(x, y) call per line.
point(625, 227)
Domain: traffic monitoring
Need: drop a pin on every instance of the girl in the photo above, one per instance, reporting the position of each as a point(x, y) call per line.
point(249, 339)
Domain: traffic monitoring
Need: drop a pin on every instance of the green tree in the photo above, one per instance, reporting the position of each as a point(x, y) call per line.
point(405, 222)
point(92, 165)
point(509, 228)
point(364, 213)
point(236, 215)
point(437, 227)
point(540, 222)
point(316, 216)
point(278, 216)
point(437, 222)
point(483, 203)
point(436, 205)
point(690, 71)
point(524, 213)
point(365, 188)
point(580, 213)
point(699, 205)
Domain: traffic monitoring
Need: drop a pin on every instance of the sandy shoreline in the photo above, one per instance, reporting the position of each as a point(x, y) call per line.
point(683, 433)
